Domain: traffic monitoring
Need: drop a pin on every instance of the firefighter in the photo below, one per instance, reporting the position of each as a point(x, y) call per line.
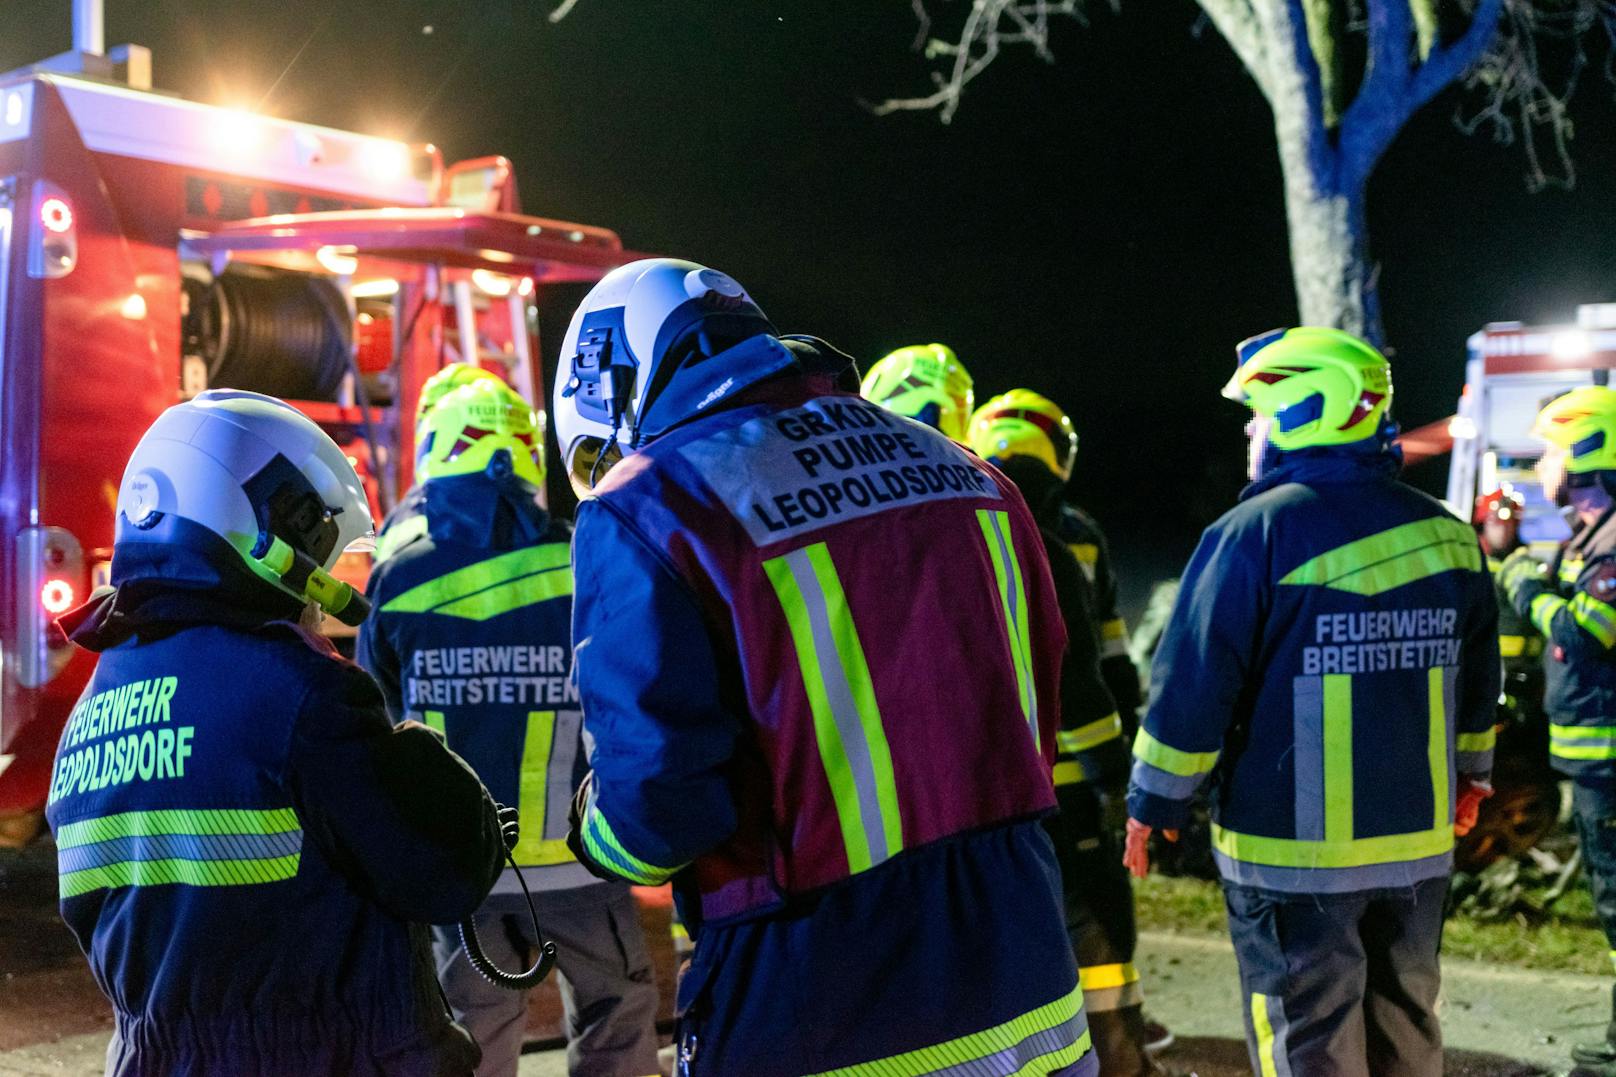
point(1027, 437)
point(1573, 605)
point(471, 634)
point(1332, 665)
point(818, 652)
point(924, 382)
point(405, 522)
point(1498, 520)
point(249, 852)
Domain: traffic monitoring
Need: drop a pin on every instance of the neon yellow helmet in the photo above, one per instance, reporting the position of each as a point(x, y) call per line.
point(926, 382)
point(471, 424)
point(1023, 423)
point(1319, 386)
point(447, 381)
point(1583, 422)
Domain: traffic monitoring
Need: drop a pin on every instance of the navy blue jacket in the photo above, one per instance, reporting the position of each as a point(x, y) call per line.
point(243, 851)
point(471, 633)
point(1332, 665)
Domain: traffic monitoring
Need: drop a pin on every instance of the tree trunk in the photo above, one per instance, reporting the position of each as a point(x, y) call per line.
point(1329, 247)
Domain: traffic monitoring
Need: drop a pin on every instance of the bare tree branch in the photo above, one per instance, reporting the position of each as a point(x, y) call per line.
point(989, 26)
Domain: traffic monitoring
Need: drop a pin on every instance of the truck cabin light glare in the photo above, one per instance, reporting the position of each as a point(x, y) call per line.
point(337, 260)
point(385, 160)
point(56, 215)
point(1570, 344)
point(380, 288)
point(56, 597)
point(1462, 427)
point(495, 284)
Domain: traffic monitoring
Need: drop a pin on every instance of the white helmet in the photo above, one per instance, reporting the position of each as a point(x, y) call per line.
point(633, 337)
point(258, 474)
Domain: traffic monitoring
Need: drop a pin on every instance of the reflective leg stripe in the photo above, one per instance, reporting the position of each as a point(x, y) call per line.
point(1268, 1022)
point(533, 795)
point(1043, 1041)
point(1582, 741)
point(847, 722)
point(1089, 736)
point(1110, 987)
point(1113, 638)
point(494, 586)
point(1088, 556)
point(1543, 611)
point(1596, 618)
point(1511, 646)
point(197, 847)
point(1613, 959)
point(1069, 772)
point(1013, 598)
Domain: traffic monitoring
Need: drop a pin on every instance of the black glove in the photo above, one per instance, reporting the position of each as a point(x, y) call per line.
point(510, 827)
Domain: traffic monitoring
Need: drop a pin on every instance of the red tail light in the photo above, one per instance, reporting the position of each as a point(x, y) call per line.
point(57, 597)
point(56, 215)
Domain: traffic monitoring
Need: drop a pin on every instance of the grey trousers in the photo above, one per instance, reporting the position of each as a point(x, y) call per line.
point(1340, 985)
point(608, 991)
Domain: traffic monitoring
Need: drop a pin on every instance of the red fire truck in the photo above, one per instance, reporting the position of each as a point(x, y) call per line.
point(152, 247)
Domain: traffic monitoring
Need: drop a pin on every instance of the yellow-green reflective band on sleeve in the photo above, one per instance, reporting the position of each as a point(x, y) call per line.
point(1543, 611)
point(1046, 1040)
point(1354, 853)
point(852, 743)
point(1511, 646)
point(1582, 742)
point(1115, 629)
point(1089, 736)
point(493, 586)
point(1393, 558)
point(602, 844)
point(192, 847)
point(1069, 772)
point(1596, 618)
point(1013, 601)
point(1164, 757)
point(1477, 742)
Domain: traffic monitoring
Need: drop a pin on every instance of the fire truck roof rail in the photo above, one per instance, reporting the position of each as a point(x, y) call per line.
point(546, 250)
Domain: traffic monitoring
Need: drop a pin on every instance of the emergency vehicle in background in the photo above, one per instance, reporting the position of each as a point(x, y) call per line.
point(1512, 371)
point(152, 247)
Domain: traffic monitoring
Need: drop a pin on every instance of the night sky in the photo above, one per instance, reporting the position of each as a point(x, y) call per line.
point(1102, 229)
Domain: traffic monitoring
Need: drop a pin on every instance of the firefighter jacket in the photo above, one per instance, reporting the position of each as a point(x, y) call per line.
point(818, 652)
point(249, 853)
point(1520, 644)
point(471, 633)
point(1573, 605)
point(1332, 665)
point(1084, 538)
point(1091, 747)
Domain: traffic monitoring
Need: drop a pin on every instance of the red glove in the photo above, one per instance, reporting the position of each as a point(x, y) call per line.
point(1136, 847)
point(1472, 791)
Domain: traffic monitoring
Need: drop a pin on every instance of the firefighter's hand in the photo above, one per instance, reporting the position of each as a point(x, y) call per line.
point(510, 827)
point(1471, 793)
point(1136, 847)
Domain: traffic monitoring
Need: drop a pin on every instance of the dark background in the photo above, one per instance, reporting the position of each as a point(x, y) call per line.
point(1102, 229)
